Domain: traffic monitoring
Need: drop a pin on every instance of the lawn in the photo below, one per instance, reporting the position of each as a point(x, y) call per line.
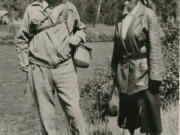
point(18, 118)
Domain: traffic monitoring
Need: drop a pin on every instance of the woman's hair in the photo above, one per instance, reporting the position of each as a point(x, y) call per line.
point(149, 4)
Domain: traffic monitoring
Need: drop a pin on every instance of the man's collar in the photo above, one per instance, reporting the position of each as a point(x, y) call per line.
point(44, 4)
point(47, 5)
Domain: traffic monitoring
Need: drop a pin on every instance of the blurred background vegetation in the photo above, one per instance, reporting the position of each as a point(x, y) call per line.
point(101, 15)
point(100, 29)
point(109, 9)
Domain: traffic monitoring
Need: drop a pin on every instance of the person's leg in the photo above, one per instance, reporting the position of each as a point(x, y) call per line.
point(66, 82)
point(150, 134)
point(154, 134)
point(43, 91)
point(134, 112)
point(131, 131)
point(154, 114)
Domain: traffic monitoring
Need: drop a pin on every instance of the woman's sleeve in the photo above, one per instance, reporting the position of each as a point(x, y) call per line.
point(156, 65)
point(22, 42)
point(115, 55)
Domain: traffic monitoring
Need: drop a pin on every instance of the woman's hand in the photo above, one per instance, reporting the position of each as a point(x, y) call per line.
point(154, 86)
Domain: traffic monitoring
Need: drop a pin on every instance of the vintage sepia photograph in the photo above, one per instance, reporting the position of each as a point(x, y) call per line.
point(89, 67)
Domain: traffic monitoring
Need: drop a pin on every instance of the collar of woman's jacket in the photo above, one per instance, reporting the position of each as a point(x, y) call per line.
point(133, 12)
point(137, 11)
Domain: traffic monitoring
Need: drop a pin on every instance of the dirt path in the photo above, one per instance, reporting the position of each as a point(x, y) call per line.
point(16, 118)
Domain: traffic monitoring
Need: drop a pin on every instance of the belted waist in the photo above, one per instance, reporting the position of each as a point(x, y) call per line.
point(135, 56)
point(53, 66)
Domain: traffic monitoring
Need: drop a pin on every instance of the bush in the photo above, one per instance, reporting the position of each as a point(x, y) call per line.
point(98, 88)
point(170, 40)
point(170, 83)
point(169, 121)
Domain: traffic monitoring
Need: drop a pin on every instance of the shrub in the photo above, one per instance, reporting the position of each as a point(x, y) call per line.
point(99, 87)
point(98, 90)
point(169, 121)
point(170, 83)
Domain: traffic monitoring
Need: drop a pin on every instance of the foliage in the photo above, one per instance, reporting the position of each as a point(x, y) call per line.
point(91, 10)
point(169, 123)
point(170, 84)
point(110, 9)
point(162, 6)
point(81, 7)
point(99, 87)
point(18, 6)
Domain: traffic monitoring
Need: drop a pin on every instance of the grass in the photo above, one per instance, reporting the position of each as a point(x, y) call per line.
point(101, 28)
point(98, 33)
point(4, 31)
point(169, 121)
point(7, 35)
point(16, 118)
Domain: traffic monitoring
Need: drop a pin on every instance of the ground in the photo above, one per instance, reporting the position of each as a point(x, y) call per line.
point(16, 116)
point(19, 118)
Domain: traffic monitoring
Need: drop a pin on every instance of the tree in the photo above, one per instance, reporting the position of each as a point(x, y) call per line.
point(108, 11)
point(91, 12)
point(81, 7)
point(98, 11)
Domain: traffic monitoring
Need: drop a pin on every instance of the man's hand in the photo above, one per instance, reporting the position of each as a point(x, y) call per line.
point(74, 40)
point(25, 69)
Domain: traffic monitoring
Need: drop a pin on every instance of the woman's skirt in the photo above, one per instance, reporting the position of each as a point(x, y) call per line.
point(140, 110)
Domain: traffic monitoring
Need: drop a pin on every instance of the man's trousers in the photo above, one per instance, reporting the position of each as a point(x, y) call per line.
point(64, 80)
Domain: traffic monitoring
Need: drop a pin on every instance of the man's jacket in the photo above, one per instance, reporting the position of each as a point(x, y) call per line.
point(138, 58)
point(49, 47)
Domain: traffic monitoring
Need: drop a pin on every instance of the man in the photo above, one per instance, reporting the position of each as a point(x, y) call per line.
point(49, 30)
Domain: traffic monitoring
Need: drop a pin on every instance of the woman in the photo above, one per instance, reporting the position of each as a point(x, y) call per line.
point(137, 66)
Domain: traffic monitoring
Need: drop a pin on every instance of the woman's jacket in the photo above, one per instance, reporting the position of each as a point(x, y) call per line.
point(138, 58)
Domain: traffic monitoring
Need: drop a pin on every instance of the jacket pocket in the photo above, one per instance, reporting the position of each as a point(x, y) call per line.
point(143, 65)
